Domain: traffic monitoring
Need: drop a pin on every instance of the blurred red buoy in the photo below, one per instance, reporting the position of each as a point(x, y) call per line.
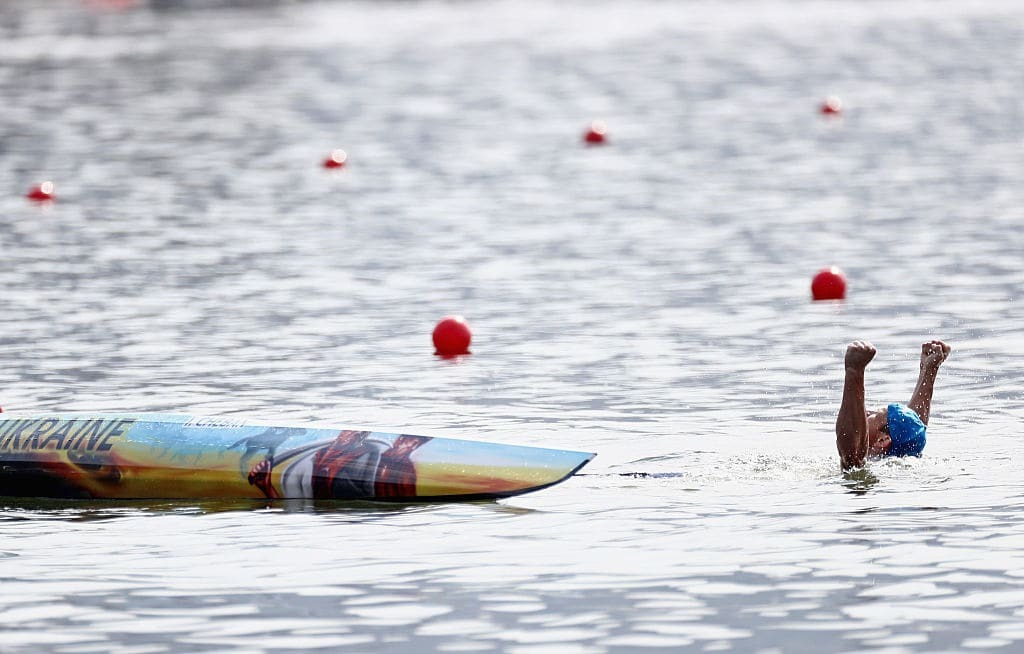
point(452, 336)
point(336, 159)
point(832, 106)
point(597, 133)
point(829, 284)
point(41, 192)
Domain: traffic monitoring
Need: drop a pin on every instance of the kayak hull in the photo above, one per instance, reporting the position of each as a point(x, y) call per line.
point(171, 456)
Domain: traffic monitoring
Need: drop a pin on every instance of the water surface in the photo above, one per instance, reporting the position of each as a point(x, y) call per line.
point(647, 300)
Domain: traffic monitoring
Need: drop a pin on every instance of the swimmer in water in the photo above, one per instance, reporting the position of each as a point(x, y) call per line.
point(896, 430)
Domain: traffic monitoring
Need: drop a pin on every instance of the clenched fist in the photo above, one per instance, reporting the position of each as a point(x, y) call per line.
point(859, 354)
point(933, 353)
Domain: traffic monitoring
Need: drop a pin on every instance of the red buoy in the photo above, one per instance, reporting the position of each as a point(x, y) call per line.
point(832, 106)
point(596, 133)
point(829, 284)
point(452, 336)
point(41, 192)
point(336, 159)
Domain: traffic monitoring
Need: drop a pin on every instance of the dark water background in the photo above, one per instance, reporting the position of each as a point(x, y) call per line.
point(647, 300)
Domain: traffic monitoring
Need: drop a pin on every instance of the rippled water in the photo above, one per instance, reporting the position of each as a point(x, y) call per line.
point(647, 300)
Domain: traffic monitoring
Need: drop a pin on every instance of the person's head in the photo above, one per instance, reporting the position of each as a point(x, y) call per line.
point(879, 440)
point(906, 430)
point(895, 431)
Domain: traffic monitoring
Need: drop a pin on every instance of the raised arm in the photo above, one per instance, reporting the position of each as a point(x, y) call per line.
point(852, 421)
point(933, 353)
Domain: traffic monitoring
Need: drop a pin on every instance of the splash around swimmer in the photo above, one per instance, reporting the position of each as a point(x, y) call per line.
point(897, 430)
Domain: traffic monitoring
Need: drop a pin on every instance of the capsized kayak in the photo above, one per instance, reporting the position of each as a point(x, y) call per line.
point(152, 455)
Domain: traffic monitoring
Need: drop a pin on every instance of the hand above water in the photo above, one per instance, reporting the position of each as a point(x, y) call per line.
point(859, 354)
point(933, 353)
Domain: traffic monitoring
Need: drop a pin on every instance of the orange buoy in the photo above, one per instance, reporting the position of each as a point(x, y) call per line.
point(829, 284)
point(596, 134)
point(832, 106)
point(336, 159)
point(452, 336)
point(41, 192)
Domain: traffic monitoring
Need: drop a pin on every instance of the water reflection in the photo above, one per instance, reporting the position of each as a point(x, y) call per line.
point(859, 481)
point(22, 509)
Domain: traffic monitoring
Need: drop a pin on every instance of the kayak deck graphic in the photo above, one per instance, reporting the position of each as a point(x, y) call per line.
point(134, 456)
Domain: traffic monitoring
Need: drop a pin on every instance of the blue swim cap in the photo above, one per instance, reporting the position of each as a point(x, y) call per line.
point(906, 431)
